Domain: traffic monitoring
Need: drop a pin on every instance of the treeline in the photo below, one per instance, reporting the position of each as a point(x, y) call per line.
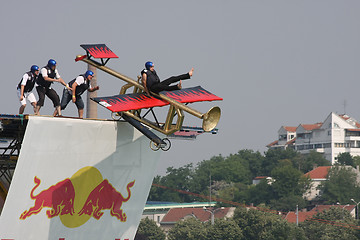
point(231, 179)
point(251, 224)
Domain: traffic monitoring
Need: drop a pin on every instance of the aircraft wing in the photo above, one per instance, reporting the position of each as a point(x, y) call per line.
point(135, 101)
point(98, 51)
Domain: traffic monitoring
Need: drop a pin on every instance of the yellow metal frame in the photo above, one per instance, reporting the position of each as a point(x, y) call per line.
point(210, 118)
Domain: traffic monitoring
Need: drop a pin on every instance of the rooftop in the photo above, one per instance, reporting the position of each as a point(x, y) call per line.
point(291, 216)
point(290, 129)
point(310, 127)
point(177, 214)
point(319, 172)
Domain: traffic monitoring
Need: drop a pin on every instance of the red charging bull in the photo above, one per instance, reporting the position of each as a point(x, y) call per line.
point(59, 198)
point(105, 196)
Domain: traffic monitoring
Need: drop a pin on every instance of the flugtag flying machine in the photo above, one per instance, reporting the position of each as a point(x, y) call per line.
point(129, 105)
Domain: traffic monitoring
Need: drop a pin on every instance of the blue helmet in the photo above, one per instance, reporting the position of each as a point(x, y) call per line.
point(34, 68)
point(88, 72)
point(51, 63)
point(148, 65)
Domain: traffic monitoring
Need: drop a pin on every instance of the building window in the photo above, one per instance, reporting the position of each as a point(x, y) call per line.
point(329, 133)
point(319, 145)
point(339, 145)
point(282, 137)
point(309, 146)
point(158, 219)
point(352, 134)
point(327, 145)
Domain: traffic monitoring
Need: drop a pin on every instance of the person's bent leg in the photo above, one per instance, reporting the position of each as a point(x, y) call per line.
point(34, 106)
point(22, 108)
point(80, 106)
point(51, 93)
point(57, 111)
point(81, 113)
point(32, 100)
point(65, 99)
point(22, 102)
point(41, 92)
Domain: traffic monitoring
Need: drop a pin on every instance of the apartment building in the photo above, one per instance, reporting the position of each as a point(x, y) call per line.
point(336, 134)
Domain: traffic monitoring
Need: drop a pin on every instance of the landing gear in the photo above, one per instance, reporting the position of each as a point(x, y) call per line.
point(164, 145)
point(156, 143)
point(116, 116)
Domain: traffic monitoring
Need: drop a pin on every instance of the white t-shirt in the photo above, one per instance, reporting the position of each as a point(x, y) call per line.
point(24, 79)
point(44, 73)
point(80, 80)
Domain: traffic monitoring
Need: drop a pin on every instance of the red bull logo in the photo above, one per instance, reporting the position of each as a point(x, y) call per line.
point(105, 196)
point(59, 198)
point(75, 200)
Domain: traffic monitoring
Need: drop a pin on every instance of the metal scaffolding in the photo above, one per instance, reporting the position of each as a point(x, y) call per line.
point(12, 129)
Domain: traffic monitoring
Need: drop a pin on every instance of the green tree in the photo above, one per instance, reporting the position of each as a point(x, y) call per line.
point(306, 163)
point(340, 186)
point(253, 161)
point(346, 159)
point(356, 160)
point(288, 203)
point(224, 230)
point(335, 223)
point(189, 229)
point(260, 193)
point(257, 224)
point(288, 180)
point(273, 156)
point(149, 230)
point(155, 193)
point(176, 178)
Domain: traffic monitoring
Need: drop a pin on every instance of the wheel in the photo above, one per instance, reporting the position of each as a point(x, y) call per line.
point(154, 146)
point(165, 147)
point(116, 116)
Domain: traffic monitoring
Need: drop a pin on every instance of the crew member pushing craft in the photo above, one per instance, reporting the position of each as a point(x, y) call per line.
point(48, 75)
point(25, 87)
point(76, 88)
point(151, 81)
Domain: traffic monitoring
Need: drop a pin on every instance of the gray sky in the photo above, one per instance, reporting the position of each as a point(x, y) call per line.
point(275, 62)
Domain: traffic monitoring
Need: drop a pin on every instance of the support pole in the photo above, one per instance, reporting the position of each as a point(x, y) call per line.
point(91, 106)
point(297, 215)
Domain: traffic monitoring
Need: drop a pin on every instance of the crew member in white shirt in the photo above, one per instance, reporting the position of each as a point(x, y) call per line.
point(48, 75)
point(25, 87)
point(75, 89)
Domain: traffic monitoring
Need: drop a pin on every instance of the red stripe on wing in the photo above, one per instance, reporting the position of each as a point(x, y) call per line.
point(126, 102)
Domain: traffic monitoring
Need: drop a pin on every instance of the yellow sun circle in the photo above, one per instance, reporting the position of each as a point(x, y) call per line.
point(84, 181)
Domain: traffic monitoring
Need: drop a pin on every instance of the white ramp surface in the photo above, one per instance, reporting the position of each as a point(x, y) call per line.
point(78, 180)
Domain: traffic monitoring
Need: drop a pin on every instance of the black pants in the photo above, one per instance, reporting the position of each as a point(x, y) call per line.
point(165, 85)
point(51, 93)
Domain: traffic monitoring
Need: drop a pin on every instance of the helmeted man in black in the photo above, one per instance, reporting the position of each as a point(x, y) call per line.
point(48, 75)
point(77, 87)
point(151, 80)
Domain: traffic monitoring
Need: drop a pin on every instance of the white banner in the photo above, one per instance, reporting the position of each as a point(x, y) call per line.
point(78, 179)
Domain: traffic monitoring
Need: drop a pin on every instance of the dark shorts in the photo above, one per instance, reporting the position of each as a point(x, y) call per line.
point(51, 93)
point(67, 97)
